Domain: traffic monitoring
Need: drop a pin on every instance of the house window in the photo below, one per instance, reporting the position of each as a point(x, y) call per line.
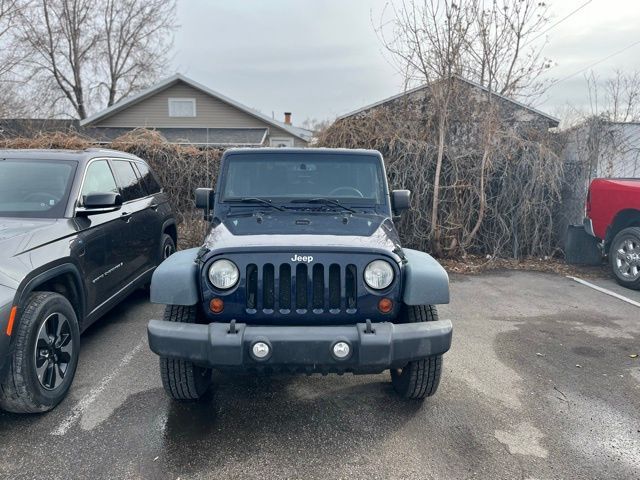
point(182, 107)
point(281, 142)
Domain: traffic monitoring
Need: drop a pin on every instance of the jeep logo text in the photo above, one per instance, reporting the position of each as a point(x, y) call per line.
point(305, 258)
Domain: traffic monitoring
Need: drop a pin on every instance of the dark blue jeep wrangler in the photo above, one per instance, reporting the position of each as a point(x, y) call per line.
point(301, 271)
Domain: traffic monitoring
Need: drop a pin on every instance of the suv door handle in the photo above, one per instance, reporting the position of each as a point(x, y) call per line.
point(126, 216)
point(154, 206)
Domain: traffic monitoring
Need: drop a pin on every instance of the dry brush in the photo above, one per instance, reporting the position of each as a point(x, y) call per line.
point(500, 183)
point(180, 168)
point(500, 200)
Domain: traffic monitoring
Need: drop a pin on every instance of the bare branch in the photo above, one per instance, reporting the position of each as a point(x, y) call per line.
point(92, 53)
point(137, 42)
point(435, 42)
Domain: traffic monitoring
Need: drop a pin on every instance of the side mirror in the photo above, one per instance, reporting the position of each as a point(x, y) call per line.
point(100, 203)
point(400, 200)
point(204, 200)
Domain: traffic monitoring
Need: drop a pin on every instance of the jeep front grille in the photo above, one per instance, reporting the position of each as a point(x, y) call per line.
point(316, 287)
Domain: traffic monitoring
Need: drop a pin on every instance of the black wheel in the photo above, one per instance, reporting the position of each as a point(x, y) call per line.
point(624, 257)
point(183, 380)
point(45, 358)
point(167, 247)
point(420, 378)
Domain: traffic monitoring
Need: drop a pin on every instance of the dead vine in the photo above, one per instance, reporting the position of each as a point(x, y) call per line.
point(180, 168)
point(500, 184)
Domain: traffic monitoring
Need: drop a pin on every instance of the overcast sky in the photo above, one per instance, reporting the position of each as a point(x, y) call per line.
point(322, 58)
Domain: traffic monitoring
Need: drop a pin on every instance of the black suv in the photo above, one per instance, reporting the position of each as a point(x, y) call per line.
point(302, 271)
point(79, 231)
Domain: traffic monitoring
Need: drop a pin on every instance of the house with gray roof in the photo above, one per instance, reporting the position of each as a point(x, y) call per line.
point(184, 112)
point(511, 111)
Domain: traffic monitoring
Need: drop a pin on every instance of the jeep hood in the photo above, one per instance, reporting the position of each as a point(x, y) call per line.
point(304, 232)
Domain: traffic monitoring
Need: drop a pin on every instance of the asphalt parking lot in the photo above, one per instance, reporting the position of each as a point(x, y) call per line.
point(540, 383)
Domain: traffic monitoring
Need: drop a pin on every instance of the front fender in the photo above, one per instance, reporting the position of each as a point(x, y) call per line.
point(175, 281)
point(425, 281)
point(50, 270)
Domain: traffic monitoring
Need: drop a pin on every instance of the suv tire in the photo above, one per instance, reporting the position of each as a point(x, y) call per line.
point(624, 257)
point(181, 379)
point(44, 361)
point(167, 247)
point(420, 378)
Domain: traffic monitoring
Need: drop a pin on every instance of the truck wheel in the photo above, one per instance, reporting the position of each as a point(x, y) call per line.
point(420, 378)
point(624, 256)
point(47, 344)
point(183, 380)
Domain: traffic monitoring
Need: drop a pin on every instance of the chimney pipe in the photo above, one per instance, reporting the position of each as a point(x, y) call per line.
point(287, 118)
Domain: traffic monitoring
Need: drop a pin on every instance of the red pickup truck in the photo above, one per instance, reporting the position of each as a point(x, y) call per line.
point(613, 217)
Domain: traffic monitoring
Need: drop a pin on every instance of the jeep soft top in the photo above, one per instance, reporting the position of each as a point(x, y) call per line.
point(302, 271)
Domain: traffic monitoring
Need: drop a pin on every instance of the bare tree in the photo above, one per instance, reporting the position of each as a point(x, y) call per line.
point(498, 55)
point(11, 104)
point(434, 41)
point(60, 39)
point(316, 125)
point(137, 43)
point(428, 40)
point(604, 134)
point(9, 11)
point(94, 52)
point(617, 98)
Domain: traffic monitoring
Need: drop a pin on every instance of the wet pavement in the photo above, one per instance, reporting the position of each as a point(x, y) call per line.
point(540, 383)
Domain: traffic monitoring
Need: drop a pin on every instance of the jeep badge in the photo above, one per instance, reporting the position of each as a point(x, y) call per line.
point(298, 258)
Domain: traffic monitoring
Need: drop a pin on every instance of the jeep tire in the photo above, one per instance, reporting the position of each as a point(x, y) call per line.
point(45, 356)
point(624, 257)
point(181, 379)
point(420, 378)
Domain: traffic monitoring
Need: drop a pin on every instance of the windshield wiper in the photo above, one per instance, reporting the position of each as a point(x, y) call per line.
point(325, 201)
point(262, 201)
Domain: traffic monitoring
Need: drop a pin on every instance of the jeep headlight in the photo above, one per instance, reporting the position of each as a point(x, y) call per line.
point(223, 274)
point(378, 274)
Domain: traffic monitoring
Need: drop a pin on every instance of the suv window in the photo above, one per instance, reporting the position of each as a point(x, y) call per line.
point(98, 179)
point(148, 178)
point(130, 184)
point(35, 188)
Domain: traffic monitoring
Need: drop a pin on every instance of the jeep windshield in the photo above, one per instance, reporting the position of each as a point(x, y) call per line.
point(350, 179)
point(35, 188)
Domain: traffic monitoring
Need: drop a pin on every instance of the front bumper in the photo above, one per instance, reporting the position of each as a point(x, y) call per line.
point(300, 348)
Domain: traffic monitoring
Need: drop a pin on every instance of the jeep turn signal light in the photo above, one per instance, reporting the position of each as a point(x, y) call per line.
point(216, 305)
point(12, 318)
point(385, 305)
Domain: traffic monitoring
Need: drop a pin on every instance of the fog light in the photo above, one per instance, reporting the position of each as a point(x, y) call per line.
point(385, 305)
point(260, 350)
point(216, 305)
point(341, 350)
